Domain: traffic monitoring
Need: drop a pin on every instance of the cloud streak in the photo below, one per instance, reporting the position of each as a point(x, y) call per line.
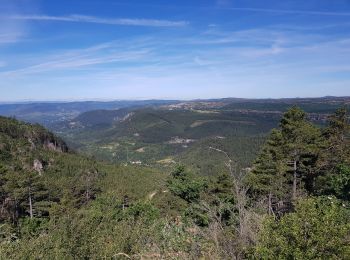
point(281, 11)
point(218, 50)
point(6, 38)
point(97, 20)
point(261, 62)
point(78, 59)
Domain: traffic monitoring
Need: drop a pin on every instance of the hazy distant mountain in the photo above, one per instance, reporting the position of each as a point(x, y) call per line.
point(47, 113)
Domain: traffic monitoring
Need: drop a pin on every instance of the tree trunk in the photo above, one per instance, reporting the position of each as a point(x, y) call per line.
point(30, 205)
point(270, 204)
point(87, 194)
point(294, 195)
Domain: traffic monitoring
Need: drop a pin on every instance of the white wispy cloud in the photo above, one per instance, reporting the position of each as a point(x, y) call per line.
point(264, 61)
point(220, 50)
point(259, 36)
point(6, 38)
point(282, 11)
point(70, 61)
point(109, 21)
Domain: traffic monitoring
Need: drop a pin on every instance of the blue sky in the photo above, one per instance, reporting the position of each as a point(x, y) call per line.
point(137, 49)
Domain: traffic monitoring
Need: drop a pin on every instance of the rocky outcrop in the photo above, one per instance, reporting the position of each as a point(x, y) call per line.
point(36, 136)
point(38, 166)
point(53, 145)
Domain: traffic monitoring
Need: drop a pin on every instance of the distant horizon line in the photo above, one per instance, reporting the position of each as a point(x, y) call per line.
point(31, 101)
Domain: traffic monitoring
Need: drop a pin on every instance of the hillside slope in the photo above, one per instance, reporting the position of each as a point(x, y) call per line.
point(184, 131)
point(56, 204)
point(51, 113)
point(31, 157)
point(52, 199)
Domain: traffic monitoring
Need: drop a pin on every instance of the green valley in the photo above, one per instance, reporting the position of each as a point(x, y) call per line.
point(211, 183)
point(174, 130)
point(185, 132)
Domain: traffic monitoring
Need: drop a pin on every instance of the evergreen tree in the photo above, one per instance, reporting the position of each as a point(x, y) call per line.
point(334, 159)
point(184, 185)
point(336, 141)
point(27, 194)
point(300, 147)
point(268, 177)
point(286, 164)
point(337, 134)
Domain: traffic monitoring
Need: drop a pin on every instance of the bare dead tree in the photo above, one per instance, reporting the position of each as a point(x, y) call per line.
point(248, 222)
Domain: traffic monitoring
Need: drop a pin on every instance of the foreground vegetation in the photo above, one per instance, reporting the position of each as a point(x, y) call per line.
point(293, 203)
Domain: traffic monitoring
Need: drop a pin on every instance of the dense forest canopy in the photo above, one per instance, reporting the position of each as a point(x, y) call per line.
point(293, 202)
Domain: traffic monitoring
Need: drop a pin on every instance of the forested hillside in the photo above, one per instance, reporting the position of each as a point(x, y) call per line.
point(190, 132)
point(163, 136)
point(46, 190)
point(291, 203)
point(50, 113)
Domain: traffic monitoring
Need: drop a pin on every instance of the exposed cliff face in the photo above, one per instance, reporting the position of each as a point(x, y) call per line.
point(29, 136)
point(28, 147)
point(19, 136)
point(54, 144)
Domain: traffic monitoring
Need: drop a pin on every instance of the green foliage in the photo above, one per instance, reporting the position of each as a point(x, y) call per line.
point(268, 173)
point(19, 189)
point(335, 183)
point(208, 162)
point(88, 209)
point(147, 134)
point(145, 211)
point(340, 183)
point(237, 126)
point(334, 157)
point(197, 214)
point(300, 157)
point(318, 229)
point(34, 135)
point(33, 227)
point(183, 185)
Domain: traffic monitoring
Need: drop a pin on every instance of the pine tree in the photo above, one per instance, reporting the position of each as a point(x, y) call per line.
point(27, 193)
point(337, 139)
point(334, 160)
point(268, 178)
point(287, 160)
point(300, 145)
